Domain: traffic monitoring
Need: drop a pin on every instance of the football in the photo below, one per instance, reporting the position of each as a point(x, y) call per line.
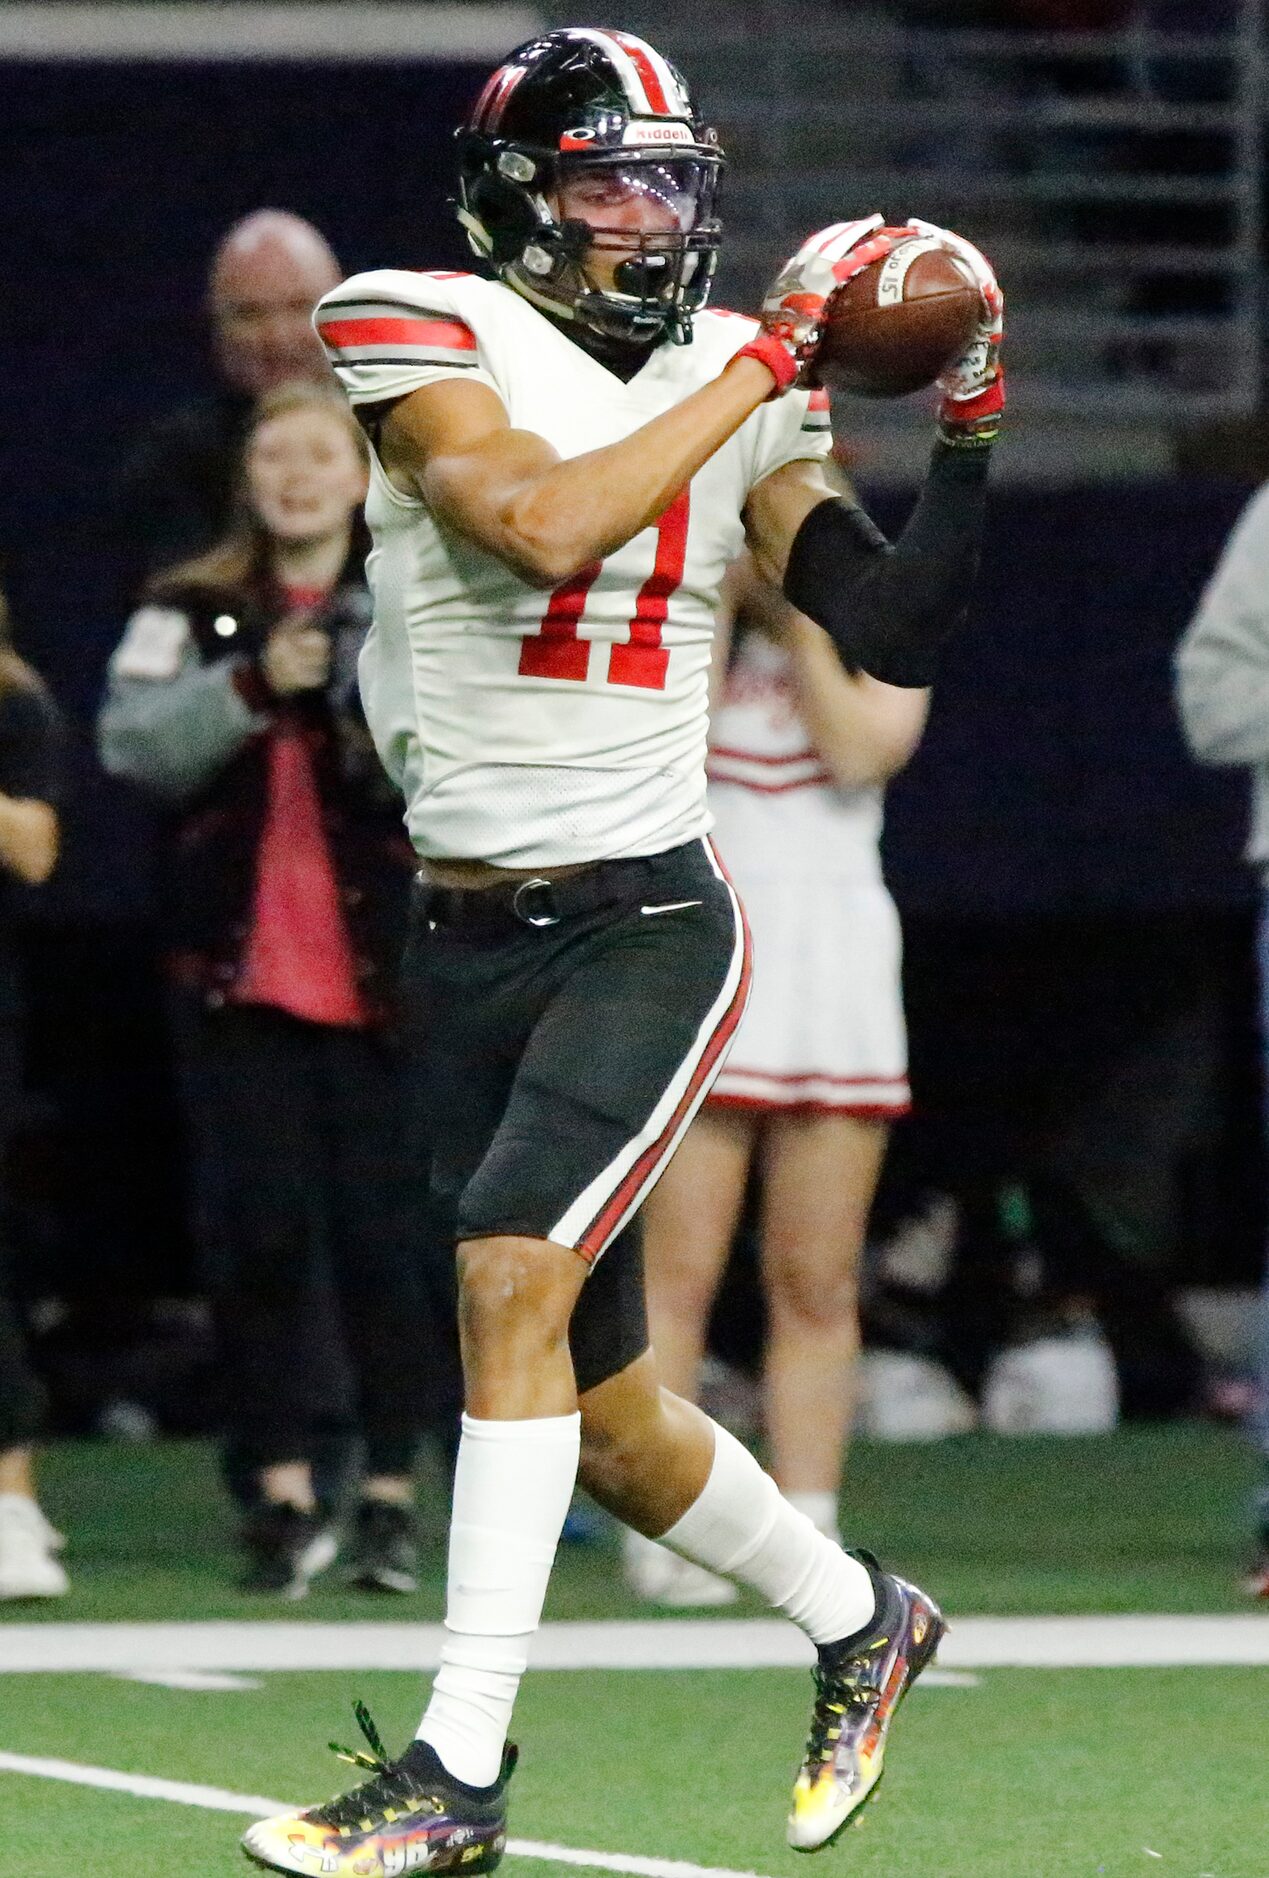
point(898, 323)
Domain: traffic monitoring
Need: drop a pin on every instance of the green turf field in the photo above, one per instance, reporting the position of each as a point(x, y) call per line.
point(1025, 1773)
point(1149, 1519)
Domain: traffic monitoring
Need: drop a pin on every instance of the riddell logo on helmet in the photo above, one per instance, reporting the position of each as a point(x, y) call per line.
point(648, 130)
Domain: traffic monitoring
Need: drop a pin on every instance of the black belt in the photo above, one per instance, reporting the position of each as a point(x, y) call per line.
point(537, 902)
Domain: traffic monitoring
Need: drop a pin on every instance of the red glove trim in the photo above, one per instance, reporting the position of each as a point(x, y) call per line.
point(777, 358)
point(988, 403)
point(875, 247)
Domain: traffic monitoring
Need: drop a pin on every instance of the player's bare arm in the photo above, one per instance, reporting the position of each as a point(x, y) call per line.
point(547, 517)
point(777, 509)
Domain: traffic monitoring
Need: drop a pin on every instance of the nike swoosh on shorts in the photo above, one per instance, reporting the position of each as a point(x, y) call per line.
point(674, 906)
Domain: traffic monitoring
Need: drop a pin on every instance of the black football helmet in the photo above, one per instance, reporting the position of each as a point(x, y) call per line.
point(591, 109)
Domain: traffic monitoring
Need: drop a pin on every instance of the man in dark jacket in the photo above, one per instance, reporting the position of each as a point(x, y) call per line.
point(175, 493)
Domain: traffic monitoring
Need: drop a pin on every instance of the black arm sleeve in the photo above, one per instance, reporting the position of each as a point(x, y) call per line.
point(888, 607)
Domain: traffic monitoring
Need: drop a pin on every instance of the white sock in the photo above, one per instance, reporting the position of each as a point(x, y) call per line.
point(512, 1488)
point(741, 1526)
point(820, 1509)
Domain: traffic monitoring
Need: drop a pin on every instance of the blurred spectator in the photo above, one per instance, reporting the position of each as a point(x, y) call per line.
point(233, 698)
point(1223, 693)
point(175, 498)
point(799, 750)
point(29, 765)
point(176, 491)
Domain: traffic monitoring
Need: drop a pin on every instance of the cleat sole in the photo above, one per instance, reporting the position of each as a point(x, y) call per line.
point(261, 1864)
point(457, 1858)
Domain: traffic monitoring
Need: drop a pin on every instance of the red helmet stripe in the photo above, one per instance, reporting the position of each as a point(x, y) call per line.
point(649, 84)
point(486, 93)
point(493, 99)
point(645, 63)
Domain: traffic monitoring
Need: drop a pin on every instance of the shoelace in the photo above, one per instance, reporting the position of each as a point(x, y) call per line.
point(844, 1686)
point(836, 1690)
point(377, 1797)
point(377, 1759)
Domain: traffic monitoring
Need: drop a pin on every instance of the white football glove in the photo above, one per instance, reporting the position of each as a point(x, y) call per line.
point(973, 386)
point(792, 312)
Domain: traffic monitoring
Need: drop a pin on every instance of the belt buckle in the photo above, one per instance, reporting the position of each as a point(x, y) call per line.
point(522, 906)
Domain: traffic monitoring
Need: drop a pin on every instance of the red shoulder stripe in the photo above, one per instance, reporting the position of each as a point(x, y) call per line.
point(453, 335)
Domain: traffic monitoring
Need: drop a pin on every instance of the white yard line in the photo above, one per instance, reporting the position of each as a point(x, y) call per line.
point(145, 1786)
point(251, 1806)
point(973, 1643)
point(215, 1680)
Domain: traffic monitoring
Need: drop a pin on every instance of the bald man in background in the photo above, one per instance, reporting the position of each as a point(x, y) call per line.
point(175, 493)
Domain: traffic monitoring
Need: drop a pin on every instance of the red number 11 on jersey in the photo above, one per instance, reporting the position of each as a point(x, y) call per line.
point(555, 651)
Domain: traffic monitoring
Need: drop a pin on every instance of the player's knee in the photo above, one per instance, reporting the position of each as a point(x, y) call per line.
point(507, 1284)
point(621, 1426)
point(598, 1462)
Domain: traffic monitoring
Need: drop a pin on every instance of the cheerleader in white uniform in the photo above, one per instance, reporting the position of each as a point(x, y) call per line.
point(799, 753)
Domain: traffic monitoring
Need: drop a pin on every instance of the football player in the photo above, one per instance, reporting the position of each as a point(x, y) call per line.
point(567, 456)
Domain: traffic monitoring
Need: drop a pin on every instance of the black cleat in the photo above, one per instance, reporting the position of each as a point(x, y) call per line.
point(286, 1548)
point(385, 1548)
point(410, 1816)
point(859, 1684)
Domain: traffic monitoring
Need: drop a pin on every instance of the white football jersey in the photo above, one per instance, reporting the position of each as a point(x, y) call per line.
point(530, 729)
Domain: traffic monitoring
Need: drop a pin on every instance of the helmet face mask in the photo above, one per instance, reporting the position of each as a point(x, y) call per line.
point(637, 243)
point(600, 214)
